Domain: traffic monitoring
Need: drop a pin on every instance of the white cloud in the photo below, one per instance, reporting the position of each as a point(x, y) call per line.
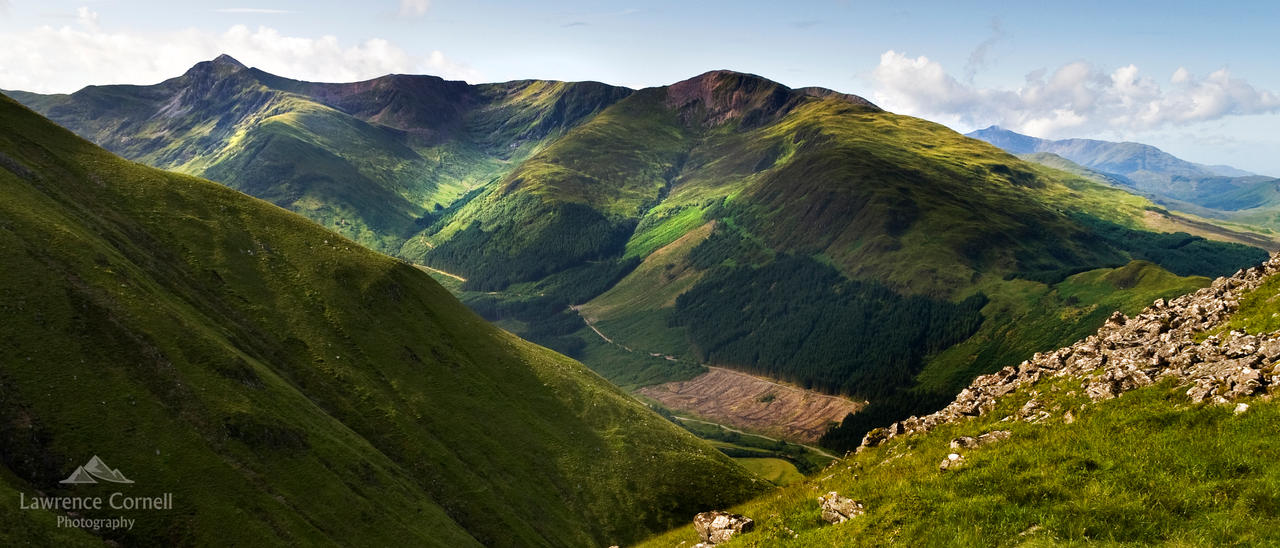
point(64, 59)
point(87, 18)
point(414, 8)
point(1077, 98)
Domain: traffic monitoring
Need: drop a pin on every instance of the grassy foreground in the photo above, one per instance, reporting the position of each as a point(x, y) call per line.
point(1146, 468)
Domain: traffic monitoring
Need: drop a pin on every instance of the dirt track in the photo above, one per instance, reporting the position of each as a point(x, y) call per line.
point(735, 399)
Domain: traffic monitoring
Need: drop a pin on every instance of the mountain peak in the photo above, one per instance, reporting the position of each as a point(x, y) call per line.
point(227, 60)
point(221, 65)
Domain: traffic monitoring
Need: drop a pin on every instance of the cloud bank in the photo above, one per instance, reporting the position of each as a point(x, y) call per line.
point(63, 59)
point(1076, 98)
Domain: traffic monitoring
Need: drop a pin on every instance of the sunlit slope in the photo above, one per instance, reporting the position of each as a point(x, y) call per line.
point(276, 376)
point(372, 160)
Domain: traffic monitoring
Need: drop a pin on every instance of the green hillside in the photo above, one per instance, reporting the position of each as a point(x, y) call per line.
point(724, 219)
point(288, 386)
point(1144, 469)
point(372, 160)
point(1113, 451)
point(804, 237)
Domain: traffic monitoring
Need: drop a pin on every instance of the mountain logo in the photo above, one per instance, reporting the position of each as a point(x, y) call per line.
point(95, 468)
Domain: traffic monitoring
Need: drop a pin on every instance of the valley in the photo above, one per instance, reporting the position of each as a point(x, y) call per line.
point(657, 274)
point(791, 234)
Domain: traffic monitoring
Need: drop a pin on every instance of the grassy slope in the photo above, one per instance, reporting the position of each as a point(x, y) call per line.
point(277, 376)
point(1145, 468)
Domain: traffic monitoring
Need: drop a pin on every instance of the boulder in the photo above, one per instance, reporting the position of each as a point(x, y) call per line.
point(718, 527)
point(838, 509)
point(953, 462)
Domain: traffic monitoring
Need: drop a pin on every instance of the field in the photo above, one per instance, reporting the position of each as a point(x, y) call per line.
point(754, 403)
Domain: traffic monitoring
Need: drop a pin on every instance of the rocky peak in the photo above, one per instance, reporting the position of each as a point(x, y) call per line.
point(221, 65)
point(720, 96)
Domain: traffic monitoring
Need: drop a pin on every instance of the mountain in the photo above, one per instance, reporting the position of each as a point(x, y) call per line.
point(816, 239)
point(800, 234)
point(369, 160)
point(1216, 191)
point(284, 385)
point(1155, 429)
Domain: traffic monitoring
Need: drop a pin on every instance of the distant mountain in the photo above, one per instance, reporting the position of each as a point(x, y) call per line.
point(801, 234)
point(1218, 191)
point(286, 386)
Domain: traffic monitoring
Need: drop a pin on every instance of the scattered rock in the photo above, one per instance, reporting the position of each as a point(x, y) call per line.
point(1241, 408)
point(969, 442)
point(718, 527)
point(838, 509)
point(1128, 353)
point(953, 462)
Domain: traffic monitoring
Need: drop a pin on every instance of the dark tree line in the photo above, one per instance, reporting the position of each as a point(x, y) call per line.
point(800, 320)
point(530, 245)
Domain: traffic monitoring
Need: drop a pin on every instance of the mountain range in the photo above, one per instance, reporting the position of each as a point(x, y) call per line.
point(1216, 191)
point(800, 234)
point(284, 385)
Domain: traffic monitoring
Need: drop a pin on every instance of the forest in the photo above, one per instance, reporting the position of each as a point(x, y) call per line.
point(800, 320)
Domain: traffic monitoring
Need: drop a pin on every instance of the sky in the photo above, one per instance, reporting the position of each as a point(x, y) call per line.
point(1197, 79)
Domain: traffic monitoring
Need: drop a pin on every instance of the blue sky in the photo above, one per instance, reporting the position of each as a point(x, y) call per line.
point(1196, 79)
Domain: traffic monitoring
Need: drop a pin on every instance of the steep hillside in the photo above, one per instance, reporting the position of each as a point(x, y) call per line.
point(288, 386)
point(372, 160)
point(1156, 429)
point(793, 233)
point(1214, 191)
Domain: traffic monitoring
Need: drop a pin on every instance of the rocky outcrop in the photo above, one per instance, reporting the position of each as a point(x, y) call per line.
point(838, 509)
point(1128, 353)
point(718, 527)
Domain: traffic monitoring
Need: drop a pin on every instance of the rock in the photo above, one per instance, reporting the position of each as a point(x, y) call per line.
point(1241, 408)
point(718, 527)
point(1128, 353)
point(838, 509)
point(969, 442)
point(953, 462)
point(994, 436)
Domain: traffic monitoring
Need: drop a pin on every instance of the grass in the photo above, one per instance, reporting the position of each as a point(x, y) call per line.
point(276, 376)
point(1146, 468)
point(1259, 311)
point(777, 471)
point(1026, 317)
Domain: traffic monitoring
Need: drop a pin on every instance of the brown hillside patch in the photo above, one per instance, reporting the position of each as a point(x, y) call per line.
point(1178, 223)
point(754, 403)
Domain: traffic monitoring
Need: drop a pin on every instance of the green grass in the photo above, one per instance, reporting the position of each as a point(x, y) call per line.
point(777, 471)
point(1259, 311)
point(276, 376)
point(1146, 468)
